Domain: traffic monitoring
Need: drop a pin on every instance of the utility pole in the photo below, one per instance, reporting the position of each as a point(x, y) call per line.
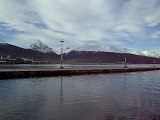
point(62, 41)
point(125, 58)
point(154, 61)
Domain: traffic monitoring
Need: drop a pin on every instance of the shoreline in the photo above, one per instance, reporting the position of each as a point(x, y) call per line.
point(67, 72)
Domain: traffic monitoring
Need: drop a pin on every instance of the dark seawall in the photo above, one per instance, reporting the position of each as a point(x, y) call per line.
point(67, 72)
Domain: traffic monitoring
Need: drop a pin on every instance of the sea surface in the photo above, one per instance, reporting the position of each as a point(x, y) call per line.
point(122, 96)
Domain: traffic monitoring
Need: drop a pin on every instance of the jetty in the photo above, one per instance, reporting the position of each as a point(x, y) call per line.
point(12, 74)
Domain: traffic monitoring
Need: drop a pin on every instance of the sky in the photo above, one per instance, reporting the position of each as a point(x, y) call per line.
point(131, 24)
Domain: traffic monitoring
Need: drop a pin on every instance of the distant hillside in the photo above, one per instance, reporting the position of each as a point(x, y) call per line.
point(75, 56)
point(107, 57)
point(14, 51)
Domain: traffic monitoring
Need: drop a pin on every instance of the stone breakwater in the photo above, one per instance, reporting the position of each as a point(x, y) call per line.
point(67, 72)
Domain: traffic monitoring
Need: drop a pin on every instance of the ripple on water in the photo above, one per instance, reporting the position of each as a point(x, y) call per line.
point(127, 96)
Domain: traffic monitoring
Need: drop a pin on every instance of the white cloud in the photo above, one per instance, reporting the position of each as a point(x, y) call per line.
point(156, 35)
point(77, 21)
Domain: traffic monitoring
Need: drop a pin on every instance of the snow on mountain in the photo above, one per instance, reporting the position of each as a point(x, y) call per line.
point(66, 50)
point(151, 53)
point(109, 48)
point(98, 48)
point(147, 53)
point(138, 53)
point(39, 46)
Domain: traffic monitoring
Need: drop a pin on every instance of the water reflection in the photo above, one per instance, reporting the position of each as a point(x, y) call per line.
point(61, 91)
point(125, 96)
point(61, 98)
point(125, 81)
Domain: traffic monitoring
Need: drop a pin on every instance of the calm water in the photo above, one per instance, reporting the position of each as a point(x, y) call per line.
point(130, 96)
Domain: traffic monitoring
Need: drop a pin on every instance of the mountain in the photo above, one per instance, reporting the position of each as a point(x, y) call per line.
point(14, 52)
point(107, 57)
point(39, 46)
point(95, 54)
point(106, 54)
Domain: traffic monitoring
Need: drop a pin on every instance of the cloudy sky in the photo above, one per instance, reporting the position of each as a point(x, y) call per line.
point(131, 24)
